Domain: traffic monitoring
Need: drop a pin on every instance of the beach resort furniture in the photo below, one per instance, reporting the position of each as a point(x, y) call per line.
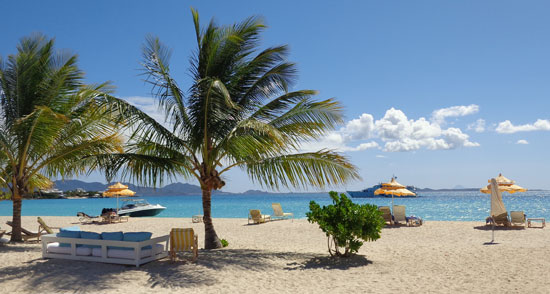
point(197, 218)
point(399, 214)
point(501, 219)
point(386, 214)
point(257, 217)
point(26, 234)
point(278, 212)
point(414, 221)
point(536, 219)
point(517, 218)
point(183, 239)
point(43, 227)
point(133, 248)
point(85, 218)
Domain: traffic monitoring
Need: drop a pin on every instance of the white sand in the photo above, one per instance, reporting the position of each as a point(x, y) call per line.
point(291, 257)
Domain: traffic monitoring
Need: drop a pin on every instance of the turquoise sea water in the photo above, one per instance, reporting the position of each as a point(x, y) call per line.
point(449, 206)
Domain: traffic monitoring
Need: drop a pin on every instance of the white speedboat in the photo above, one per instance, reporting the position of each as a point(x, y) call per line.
point(139, 207)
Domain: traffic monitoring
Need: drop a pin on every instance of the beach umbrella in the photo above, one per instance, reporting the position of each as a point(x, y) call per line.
point(393, 188)
point(495, 188)
point(118, 190)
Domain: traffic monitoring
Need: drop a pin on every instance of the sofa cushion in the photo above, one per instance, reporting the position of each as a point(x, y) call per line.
point(68, 232)
point(138, 237)
point(90, 236)
point(112, 236)
point(57, 248)
point(128, 254)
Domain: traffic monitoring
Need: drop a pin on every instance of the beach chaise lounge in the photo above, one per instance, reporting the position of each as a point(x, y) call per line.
point(85, 218)
point(278, 212)
point(399, 214)
point(26, 234)
point(517, 218)
point(183, 240)
point(386, 214)
point(257, 217)
point(43, 227)
point(501, 219)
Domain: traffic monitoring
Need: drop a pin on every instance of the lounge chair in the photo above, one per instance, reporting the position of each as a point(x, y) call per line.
point(278, 212)
point(501, 219)
point(183, 240)
point(386, 214)
point(26, 234)
point(517, 218)
point(399, 214)
point(85, 218)
point(257, 217)
point(43, 227)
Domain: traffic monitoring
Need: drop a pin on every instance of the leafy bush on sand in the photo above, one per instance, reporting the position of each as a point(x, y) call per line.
point(346, 224)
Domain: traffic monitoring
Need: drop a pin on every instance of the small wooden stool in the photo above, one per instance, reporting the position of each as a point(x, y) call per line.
point(538, 219)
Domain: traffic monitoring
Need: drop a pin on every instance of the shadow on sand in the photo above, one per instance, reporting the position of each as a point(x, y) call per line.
point(57, 275)
point(499, 228)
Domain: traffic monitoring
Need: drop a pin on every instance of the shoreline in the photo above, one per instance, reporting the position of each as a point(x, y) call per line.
point(438, 257)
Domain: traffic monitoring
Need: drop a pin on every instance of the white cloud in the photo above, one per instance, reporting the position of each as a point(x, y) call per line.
point(506, 127)
point(522, 142)
point(439, 115)
point(380, 156)
point(148, 105)
point(398, 133)
point(478, 126)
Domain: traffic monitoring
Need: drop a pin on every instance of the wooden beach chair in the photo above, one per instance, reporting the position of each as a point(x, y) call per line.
point(517, 218)
point(386, 214)
point(181, 240)
point(43, 227)
point(501, 219)
point(26, 234)
point(399, 214)
point(85, 218)
point(278, 212)
point(257, 217)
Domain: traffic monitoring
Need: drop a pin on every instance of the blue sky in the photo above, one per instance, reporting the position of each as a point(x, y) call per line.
point(439, 93)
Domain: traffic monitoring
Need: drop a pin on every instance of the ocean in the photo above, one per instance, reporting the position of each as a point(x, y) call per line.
point(442, 206)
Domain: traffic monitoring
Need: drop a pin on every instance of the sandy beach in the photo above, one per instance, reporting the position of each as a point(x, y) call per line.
point(291, 257)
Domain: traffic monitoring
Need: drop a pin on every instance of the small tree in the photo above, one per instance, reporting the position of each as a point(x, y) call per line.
point(346, 223)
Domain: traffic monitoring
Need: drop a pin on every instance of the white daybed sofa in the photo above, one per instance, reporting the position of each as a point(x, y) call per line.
point(51, 249)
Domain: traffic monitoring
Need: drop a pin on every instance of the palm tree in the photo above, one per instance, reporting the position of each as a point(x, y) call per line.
point(51, 124)
point(238, 112)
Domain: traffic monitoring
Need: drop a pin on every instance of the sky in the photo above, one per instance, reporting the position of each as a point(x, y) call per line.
point(437, 93)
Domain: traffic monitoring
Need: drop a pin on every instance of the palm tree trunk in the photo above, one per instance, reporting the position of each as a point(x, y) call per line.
point(211, 240)
point(16, 218)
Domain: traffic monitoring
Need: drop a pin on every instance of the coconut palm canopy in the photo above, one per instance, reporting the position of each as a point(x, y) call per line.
point(238, 112)
point(51, 123)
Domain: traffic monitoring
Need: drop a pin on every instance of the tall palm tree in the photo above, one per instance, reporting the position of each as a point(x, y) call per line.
point(51, 123)
point(238, 112)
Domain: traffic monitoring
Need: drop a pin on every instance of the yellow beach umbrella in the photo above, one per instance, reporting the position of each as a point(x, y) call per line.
point(504, 185)
point(393, 188)
point(118, 190)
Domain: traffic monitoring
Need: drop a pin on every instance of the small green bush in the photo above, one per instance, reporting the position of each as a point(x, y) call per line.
point(224, 242)
point(346, 223)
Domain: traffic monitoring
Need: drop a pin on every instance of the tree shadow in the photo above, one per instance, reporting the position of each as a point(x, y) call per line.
point(17, 247)
point(330, 263)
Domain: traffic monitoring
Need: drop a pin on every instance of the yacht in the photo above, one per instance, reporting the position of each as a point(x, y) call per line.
point(139, 207)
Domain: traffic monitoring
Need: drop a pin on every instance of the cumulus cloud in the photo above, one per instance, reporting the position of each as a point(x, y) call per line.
point(506, 127)
point(439, 115)
point(478, 126)
point(522, 142)
point(398, 133)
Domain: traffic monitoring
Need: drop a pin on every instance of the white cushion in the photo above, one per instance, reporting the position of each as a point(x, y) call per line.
point(55, 248)
point(127, 254)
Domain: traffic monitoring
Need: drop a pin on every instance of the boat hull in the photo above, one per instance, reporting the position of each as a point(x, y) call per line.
point(140, 213)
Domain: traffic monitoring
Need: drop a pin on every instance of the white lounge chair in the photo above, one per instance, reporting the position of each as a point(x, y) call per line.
point(278, 212)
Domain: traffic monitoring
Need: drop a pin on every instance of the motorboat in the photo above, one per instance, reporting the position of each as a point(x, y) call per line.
point(139, 207)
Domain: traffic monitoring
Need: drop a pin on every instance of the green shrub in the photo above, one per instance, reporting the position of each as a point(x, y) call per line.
point(224, 242)
point(346, 223)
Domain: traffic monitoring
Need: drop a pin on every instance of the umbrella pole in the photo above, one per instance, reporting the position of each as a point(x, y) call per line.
point(493, 236)
point(116, 204)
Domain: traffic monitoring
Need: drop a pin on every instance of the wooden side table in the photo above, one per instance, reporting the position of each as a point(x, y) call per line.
point(537, 219)
point(197, 218)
